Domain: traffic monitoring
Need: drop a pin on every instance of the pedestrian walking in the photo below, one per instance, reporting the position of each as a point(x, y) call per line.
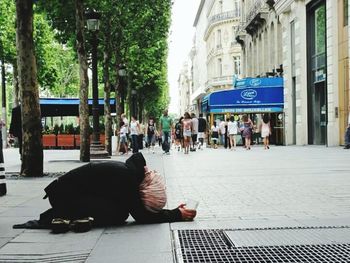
point(194, 131)
point(215, 134)
point(151, 134)
point(232, 127)
point(16, 127)
point(179, 138)
point(222, 131)
point(226, 138)
point(202, 129)
point(134, 132)
point(101, 194)
point(247, 131)
point(265, 129)
point(187, 131)
point(166, 126)
point(347, 137)
point(126, 123)
point(123, 141)
point(141, 136)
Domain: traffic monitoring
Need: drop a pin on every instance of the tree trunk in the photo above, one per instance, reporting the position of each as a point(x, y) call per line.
point(107, 89)
point(32, 150)
point(16, 93)
point(84, 83)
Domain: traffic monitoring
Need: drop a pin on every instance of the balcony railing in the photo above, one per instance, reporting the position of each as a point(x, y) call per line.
point(240, 33)
point(221, 17)
point(257, 12)
point(224, 16)
point(219, 81)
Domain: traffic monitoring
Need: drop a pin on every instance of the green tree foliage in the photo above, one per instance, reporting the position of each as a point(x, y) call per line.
point(56, 62)
point(57, 65)
point(146, 53)
point(8, 30)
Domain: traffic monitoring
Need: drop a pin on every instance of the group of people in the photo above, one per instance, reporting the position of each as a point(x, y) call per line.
point(189, 132)
point(234, 128)
point(139, 134)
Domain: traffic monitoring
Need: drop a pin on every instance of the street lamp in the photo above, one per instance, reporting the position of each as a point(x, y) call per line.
point(122, 73)
point(93, 25)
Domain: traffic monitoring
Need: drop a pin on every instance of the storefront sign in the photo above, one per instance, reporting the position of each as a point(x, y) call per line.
point(254, 98)
point(248, 110)
point(258, 82)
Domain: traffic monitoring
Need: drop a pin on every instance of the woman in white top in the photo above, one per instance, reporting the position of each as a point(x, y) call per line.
point(134, 132)
point(232, 129)
point(123, 141)
point(265, 129)
point(187, 131)
point(215, 134)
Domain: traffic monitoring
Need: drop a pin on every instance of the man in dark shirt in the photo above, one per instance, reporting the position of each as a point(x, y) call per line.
point(202, 129)
point(16, 126)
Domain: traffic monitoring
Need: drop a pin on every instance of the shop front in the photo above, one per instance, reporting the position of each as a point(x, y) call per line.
point(251, 96)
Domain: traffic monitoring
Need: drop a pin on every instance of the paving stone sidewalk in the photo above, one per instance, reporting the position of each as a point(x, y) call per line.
point(281, 187)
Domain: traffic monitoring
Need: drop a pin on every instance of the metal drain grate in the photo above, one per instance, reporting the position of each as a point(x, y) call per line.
point(232, 246)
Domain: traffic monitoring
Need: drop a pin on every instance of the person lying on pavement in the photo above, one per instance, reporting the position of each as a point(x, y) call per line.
point(104, 194)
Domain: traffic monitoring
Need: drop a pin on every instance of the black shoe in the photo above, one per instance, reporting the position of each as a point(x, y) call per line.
point(82, 225)
point(60, 225)
point(347, 146)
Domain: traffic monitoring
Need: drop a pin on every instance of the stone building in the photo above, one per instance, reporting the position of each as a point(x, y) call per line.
point(216, 53)
point(184, 87)
point(260, 35)
point(315, 58)
point(306, 41)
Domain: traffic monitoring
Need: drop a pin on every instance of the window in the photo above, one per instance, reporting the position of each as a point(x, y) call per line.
point(219, 67)
point(218, 39)
point(320, 29)
point(346, 10)
point(234, 31)
point(236, 7)
point(237, 65)
point(220, 6)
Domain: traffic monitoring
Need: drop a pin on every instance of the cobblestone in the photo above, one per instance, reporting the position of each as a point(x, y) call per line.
point(280, 187)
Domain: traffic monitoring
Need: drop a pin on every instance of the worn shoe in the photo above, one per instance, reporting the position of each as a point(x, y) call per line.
point(347, 146)
point(60, 225)
point(82, 225)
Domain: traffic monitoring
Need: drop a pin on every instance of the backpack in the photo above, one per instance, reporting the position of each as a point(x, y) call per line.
point(178, 128)
point(165, 146)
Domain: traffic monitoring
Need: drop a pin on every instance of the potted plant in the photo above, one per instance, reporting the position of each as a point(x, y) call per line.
point(49, 138)
point(65, 139)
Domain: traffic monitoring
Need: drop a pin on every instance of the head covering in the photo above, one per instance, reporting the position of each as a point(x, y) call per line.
point(152, 191)
point(137, 163)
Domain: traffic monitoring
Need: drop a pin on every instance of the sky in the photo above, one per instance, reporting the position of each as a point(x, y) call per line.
point(180, 44)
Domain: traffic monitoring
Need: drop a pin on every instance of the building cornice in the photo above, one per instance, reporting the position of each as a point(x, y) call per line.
point(283, 6)
point(219, 19)
point(200, 8)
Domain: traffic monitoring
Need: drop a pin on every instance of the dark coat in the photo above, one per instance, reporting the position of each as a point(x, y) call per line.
point(16, 122)
point(107, 191)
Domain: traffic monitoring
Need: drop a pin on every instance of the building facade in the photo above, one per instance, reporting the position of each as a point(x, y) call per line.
point(306, 42)
point(260, 35)
point(216, 55)
point(185, 87)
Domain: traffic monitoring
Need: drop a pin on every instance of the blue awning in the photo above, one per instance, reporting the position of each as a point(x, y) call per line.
point(51, 107)
point(252, 95)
